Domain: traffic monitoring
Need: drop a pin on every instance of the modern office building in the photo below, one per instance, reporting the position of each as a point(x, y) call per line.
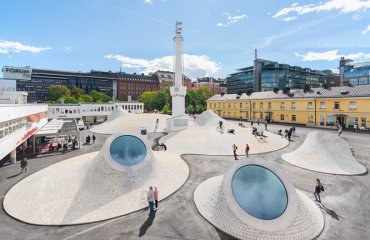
point(267, 75)
point(354, 73)
point(36, 82)
point(346, 105)
point(131, 86)
point(216, 86)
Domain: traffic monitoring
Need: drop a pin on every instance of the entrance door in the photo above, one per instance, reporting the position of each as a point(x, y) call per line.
point(342, 121)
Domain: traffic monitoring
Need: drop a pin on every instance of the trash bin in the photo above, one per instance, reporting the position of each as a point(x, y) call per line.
point(143, 131)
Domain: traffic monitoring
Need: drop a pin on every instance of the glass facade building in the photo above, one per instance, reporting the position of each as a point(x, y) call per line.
point(38, 85)
point(266, 75)
point(356, 74)
point(241, 82)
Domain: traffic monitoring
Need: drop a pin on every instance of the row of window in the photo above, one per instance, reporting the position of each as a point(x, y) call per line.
point(352, 105)
point(62, 110)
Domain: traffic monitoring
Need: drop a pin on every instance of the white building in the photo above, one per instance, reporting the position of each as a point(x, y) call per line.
point(18, 122)
point(13, 97)
point(91, 112)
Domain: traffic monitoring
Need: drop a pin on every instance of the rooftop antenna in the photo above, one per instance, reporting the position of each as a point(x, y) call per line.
point(10, 55)
point(255, 53)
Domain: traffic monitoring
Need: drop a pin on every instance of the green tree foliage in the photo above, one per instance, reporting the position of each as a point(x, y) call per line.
point(200, 108)
point(99, 97)
point(57, 91)
point(166, 108)
point(190, 109)
point(68, 99)
point(77, 92)
point(154, 100)
point(202, 94)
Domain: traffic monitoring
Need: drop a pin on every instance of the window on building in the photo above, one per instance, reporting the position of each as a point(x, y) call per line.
point(261, 105)
point(294, 118)
point(309, 105)
point(234, 105)
point(292, 105)
point(330, 121)
point(352, 121)
point(241, 105)
point(229, 105)
point(310, 119)
point(336, 105)
point(322, 120)
point(219, 105)
point(352, 105)
point(254, 105)
point(282, 105)
point(322, 105)
point(363, 122)
point(223, 105)
point(269, 105)
point(282, 117)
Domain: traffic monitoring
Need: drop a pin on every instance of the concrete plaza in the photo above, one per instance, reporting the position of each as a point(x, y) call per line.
point(344, 201)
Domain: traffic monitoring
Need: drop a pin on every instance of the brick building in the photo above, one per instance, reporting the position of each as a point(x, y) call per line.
point(217, 86)
point(167, 78)
point(131, 86)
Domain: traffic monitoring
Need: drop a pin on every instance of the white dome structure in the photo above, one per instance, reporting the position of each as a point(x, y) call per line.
point(96, 186)
point(327, 153)
point(121, 120)
point(204, 138)
point(255, 201)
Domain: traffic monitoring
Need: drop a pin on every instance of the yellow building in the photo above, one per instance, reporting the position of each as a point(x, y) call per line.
point(347, 106)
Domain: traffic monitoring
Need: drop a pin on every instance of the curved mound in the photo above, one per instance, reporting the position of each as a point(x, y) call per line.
point(90, 188)
point(119, 112)
point(208, 117)
point(212, 204)
point(132, 123)
point(325, 152)
point(205, 138)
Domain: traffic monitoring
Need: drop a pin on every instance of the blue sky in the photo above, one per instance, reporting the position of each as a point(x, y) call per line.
point(219, 36)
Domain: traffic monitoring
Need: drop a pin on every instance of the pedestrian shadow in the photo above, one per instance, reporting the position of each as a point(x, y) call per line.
point(146, 225)
point(13, 176)
point(331, 213)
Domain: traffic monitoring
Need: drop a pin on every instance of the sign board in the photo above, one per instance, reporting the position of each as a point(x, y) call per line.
point(23, 73)
point(8, 85)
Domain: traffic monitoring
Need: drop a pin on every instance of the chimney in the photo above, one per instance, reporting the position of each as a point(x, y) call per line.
point(255, 54)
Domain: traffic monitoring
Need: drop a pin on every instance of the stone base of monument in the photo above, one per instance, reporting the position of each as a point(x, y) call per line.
point(178, 123)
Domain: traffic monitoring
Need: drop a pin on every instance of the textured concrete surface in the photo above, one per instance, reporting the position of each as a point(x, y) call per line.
point(325, 152)
point(123, 122)
point(210, 200)
point(344, 202)
point(87, 189)
point(204, 138)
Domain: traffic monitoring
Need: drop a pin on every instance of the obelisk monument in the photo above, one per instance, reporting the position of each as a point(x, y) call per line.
point(179, 120)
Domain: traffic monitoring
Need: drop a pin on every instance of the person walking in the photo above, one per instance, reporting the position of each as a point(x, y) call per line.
point(247, 150)
point(151, 201)
point(266, 125)
point(24, 164)
point(339, 130)
point(156, 197)
point(293, 131)
point(318, 189)
point(93, 137)
point(234, 150)
point(290, 134)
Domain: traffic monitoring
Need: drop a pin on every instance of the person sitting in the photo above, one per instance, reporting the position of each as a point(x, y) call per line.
point(232, 131)
point(280, 132)
point(164, 147)
point(254, 131)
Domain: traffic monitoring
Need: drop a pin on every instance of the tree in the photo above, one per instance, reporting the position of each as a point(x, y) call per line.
point(149, 99)
point(190, 97)
point(57, 91)
point(99, 97)
point(166, 109)
point(202, 95)
point(190, 109)
point(77, 92)
point(85, 98)
point(68, 99)
point(200, 108)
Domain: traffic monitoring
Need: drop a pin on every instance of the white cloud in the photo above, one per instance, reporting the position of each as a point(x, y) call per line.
point(17, 47)
point(345, 6)
point(288, 19)
point(366, 30)
point(194, 65)
point(148, 2)
point(67, 49)
point(331, 56)
point(231, 20)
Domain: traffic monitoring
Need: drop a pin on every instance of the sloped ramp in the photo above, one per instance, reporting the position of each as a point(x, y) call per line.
point(327, 153)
